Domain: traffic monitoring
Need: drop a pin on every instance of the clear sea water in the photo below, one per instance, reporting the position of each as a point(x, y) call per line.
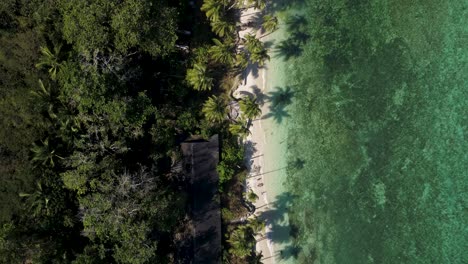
point(376, 97)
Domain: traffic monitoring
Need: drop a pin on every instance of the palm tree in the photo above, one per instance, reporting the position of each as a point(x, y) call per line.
point(242, 61)
point(222, 52)
point(258, 4)
point(46, 94)
point(252, 197)
point(38, 201)
point(260, 57)
point(270, 23)
point(215, 109)
point(44, 154)
point(222, 28)
point(50, 60)
point(198, 77)
point(257, 50)
point(214, 9)
point(252, 44)
point(241, 241)
point(239, 129)
point(249, 107)
point(256, 225)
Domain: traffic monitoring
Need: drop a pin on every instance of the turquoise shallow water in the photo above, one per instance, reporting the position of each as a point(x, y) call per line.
point(377, 130)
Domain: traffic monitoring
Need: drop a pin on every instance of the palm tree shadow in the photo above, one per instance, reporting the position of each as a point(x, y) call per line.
point(258, 94)
point(299, 37)
point(278, 114)
point(280, 5)
point(280, 97)
point(252, 68)
point(288, 49)
point(290, 252)
point(268, 44)
point(296, 22)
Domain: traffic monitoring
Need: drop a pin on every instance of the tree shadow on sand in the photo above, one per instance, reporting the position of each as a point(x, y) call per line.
point(280, 230)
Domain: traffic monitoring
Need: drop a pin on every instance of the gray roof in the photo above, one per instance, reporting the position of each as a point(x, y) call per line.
point(200, 159)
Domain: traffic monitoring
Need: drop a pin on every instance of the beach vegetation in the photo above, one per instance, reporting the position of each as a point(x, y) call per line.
point(241, 241)
point(269, 23)
point(239, 129)
point(89, 157)
point(223, 52)
point(249, 107)
point(252, 196)
point(199, 77)
point(215, 109)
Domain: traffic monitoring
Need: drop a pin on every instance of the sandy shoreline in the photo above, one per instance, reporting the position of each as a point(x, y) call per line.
point(255, 84)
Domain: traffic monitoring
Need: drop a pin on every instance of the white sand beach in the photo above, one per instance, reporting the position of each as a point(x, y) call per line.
point(260, 182)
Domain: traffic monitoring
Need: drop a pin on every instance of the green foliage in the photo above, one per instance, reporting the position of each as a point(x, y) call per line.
point(249, 107)
point(227, 215)
point(256, 49)
point(214, 9)
point(241, 241)
point(99, 24)
point(242, 61)
point(50, 60)
point(215, 109)
point(270, 23)
point(259, 4)
point(239, 129)
point(231, 160)
point(225, 172)
point(72, 148)
point(223, 52)
point(252, 197)
point(222, 28)
point(198, 77)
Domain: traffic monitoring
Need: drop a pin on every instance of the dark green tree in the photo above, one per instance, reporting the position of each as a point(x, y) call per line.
point(215, 109)
point(199, 78)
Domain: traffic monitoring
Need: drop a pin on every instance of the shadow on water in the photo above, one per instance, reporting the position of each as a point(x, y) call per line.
point(298, 37)
point(281, 5)
point(287, 49)
point(280, 98)
point(296, 22)
point(281, 231)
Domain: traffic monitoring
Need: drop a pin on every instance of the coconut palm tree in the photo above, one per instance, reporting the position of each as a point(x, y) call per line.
point(46, 94)
point(270, 23)
point(44, 154)
point(252, 197)
point(260, 56)
point(256, 225)
point(222, 52)
point(215, 109)
point(239, 129)
point(50, 60)
point(38, 202)
point(198, 77)
point(214, 9)
point(252, 44)
point(258, 4)
point(222, 28)
point(250, 107)
point(242, 61)
point(241, 241)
